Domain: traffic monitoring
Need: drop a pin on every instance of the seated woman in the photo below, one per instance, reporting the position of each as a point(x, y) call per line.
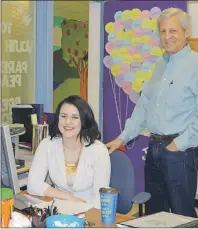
point(77, 162)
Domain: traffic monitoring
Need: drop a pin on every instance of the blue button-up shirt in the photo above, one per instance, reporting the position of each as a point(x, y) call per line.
point(169, 101)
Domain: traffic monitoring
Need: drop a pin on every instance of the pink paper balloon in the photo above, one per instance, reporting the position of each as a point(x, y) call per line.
point(118, 25)
point(137, 32)
point(127, 87)
point(119, 79)
point(145, 56)
point(131, 50)
point(134, 96)
point(109, 47)
point(145, 14)
point(154, 41)
point(124, 68)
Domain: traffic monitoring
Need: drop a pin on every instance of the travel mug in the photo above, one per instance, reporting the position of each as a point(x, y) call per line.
point(108, 201)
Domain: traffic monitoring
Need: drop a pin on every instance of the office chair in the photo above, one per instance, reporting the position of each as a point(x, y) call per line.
point(122, 177)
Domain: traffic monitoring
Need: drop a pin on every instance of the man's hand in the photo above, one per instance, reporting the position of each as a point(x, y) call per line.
point(113, 145)
point(172, 147)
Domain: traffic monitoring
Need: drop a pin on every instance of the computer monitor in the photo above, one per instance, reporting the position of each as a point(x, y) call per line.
point(21, 113)
point(9, 176)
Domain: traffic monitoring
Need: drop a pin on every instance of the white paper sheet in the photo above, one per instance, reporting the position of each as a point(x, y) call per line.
point(161, 219)
point(67, 207)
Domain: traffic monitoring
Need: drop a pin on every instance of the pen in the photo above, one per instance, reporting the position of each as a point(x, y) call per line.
point(48, 209)
point(55, 211)
point(52, 206)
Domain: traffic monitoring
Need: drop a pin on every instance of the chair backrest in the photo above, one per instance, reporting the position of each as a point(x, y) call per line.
point(122, 177)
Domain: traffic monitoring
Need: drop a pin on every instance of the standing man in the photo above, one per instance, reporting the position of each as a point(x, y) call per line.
point(168, 107)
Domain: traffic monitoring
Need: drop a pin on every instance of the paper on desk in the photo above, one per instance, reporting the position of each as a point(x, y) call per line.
point(67, 207)
point(161, 219)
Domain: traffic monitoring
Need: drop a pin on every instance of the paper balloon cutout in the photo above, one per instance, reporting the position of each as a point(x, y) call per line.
point(129, 77)
point(119, 79)
point(134, 96)
point(109, 28)
point(118, 15)
point(126, 87)
point(109, 47)
point(135, 14)
point(108, 61)
point(133, 48)
point(145, 14)
point(115, 70)
point(118, 25)
point(155, 12)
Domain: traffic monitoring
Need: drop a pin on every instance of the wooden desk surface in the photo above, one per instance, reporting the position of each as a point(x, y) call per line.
point(93, 215)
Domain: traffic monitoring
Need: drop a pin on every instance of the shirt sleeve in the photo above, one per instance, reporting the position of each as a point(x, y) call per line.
point(102, 173)
point(38, 171)
point(137, 121)
point(189, 138)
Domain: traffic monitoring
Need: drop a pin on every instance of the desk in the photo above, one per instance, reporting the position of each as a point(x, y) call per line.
point(93, 215)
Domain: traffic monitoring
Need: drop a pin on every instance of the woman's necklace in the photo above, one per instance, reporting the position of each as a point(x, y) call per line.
point(72, 167)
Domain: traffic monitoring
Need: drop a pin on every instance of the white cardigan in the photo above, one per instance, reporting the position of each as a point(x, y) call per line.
point(93, 171)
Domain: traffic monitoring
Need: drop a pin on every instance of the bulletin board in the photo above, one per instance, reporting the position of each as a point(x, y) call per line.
point(131, 49)
point(194, 44)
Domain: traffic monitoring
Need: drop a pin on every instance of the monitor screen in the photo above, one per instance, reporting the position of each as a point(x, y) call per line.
point(9, 176)
point(22, 114)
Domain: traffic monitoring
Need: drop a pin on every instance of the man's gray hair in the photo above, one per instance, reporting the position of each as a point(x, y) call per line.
point(182, 16)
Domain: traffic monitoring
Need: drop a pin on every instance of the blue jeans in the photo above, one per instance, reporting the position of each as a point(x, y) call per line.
point(171, 179)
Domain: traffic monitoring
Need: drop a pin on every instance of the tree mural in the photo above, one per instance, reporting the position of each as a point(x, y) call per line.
point(75, 49)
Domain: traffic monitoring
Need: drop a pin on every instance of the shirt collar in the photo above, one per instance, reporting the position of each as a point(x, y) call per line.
point(177, 55)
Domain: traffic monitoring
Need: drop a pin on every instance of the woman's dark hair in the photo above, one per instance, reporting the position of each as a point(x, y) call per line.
point(89, 128)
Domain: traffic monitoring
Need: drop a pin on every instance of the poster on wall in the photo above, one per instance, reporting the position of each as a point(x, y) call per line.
point(131, 49)
point(18, 55)
point(70, 58)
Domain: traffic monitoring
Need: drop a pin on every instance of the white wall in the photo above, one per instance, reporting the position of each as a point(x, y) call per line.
point(94, 60)
point(95, 54)
point(193, 11)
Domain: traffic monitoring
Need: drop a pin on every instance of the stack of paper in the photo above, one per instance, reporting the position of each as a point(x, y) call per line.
point(161, 219)
point(67, 207)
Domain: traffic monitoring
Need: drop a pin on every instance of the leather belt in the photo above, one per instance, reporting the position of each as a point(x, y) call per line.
point(157, 137)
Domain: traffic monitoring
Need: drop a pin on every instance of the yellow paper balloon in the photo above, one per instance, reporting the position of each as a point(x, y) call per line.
point(135, 14)
point(123, 51)
point(156, 51)
point(154, 24)
point(126, 15)
point(109, 27)
point(114, 52)
point(120, 35)
point(140, 75)
point(128, 35)
point(115, 70)
point(145, 39)
point(137, 57)
point(137, 85)
point(147, 24)
point(126, 59)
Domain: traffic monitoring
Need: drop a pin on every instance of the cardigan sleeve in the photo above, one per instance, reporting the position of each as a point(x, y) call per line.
point(38, 171)
point(102, 173)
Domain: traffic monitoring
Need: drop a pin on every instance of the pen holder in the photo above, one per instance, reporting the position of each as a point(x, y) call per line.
point(40, 131)
point(7, 203)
